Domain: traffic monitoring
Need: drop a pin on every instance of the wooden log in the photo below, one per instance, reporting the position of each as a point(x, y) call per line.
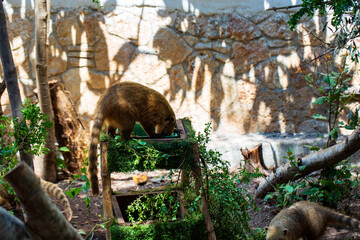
point(68, 127)
point(11, 228)
point(106, 188)
point(43, 216)
point(310, 163)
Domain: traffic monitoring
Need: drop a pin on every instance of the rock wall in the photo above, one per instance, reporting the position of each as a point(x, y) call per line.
point(233, 64)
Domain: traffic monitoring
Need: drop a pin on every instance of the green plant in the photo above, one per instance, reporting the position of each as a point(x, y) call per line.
point(330, 189)
point(228, 203)
point(332, 86)
point(345, 21)
point(28, 134)
point(163, 206)
point(73, 191)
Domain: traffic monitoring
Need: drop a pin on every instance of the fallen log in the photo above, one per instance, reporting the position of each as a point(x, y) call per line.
point(310, 163)
point(43, 216)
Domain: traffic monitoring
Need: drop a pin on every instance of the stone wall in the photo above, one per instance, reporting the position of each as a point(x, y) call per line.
point(237, 69)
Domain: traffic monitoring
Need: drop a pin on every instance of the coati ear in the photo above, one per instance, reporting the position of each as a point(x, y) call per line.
point(171, 119)
point(285, 231)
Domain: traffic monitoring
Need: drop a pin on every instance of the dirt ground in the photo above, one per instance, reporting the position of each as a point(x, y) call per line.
point(87, 220)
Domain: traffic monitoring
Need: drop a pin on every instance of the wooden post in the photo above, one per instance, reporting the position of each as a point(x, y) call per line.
point(210, 230)
point(106, 188)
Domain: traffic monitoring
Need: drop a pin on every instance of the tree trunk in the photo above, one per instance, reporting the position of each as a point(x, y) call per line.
point(43, 216)
point(10, 77)
point(68, 127)
point(254, 159)
point(312, 162)
point(48, 169)
point(11, 228)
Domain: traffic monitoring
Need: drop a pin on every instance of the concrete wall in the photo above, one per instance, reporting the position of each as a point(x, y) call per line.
point(228, 62)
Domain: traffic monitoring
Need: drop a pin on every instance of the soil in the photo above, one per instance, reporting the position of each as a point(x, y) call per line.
point(88, 220)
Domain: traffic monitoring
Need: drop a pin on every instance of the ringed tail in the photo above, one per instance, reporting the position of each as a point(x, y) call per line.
point(55, 191)
point(95, 140)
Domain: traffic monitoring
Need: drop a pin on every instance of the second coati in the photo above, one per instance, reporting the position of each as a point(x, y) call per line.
point(306, 220)
point(120, 107)
point(51, 189)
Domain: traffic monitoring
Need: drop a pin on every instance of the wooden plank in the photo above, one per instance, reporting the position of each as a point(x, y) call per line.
point(117, 211)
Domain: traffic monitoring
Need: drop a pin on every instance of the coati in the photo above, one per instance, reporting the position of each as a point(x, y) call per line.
point(306, 220)
point(120, 107)
point(51, 189)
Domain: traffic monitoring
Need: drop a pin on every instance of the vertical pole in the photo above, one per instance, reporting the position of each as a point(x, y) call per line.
point(106, 188)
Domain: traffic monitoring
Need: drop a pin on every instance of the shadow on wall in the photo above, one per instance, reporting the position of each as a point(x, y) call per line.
point(241, 70)
point(237, 70)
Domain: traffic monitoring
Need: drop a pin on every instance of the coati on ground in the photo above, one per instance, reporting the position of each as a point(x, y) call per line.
point(51, 189)
point(120, 107)
point(306, 220)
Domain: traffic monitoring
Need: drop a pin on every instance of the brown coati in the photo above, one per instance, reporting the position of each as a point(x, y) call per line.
point(306, 220)
point(120, 107)
point(53, 190)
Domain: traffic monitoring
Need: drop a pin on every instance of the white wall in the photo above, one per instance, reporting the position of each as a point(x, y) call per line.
point(197, 6)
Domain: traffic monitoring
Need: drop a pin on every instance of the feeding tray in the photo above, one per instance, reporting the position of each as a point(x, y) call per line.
point(122, 201)
point(174, 151)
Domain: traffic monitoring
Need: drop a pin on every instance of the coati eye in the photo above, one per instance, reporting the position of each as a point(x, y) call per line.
point(170, 119)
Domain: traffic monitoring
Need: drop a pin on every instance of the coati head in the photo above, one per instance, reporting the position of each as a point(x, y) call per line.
point(275, 233)
point(169, 125)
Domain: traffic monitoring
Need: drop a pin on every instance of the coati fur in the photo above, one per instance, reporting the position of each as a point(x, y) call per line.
point(306, 220)
point(120, 107)
point(53, 190)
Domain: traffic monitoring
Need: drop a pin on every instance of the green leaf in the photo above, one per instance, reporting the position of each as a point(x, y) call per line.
point(320, 100)
point(64, 149)
point(319, 116)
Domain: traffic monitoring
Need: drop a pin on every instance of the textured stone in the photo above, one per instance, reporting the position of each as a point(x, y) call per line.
point(241, 29)
point(91, 25)
point(190, 40)
point(189, 23)
point(247, 55)
point(81, 62)
point(311, 32)
point(170, 46)
point(268, 72)
point(20, 31)
point(68, 29)
point(223, 47)
point(21, 61)
point(276, 27)
point(77, 80)
point(145, 68)
point(178, 81)
point(57, 59)
point(117, 58)
point(124, 25)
